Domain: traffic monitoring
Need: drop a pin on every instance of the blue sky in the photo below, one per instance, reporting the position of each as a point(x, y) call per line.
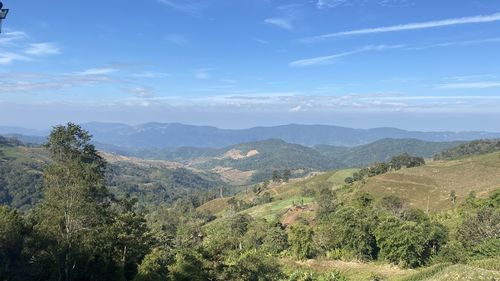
point(427, 65)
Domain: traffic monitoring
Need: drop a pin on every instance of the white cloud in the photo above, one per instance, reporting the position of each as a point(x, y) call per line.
point(150, 75)
point(202, 73)
point(42, 49)
point(97, 71)
point(471, 85)
point(298, 108)
point(323, 4)
point(280, 22)
point(142, 92)
point(10, 37)
point(9, 57)
point(192, 7)
point(411, 26)
point(331, 58)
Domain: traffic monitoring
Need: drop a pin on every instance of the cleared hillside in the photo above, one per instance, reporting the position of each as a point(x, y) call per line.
point(429, 186)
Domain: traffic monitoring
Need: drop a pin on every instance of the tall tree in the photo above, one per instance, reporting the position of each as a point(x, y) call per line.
point(74, 210)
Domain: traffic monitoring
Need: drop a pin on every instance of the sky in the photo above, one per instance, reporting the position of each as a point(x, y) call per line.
point(413, 64)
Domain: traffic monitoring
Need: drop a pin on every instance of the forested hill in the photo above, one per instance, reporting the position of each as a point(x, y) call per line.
point(152, 182)
point(477, 147)
point(172, 135)
point(255, 161)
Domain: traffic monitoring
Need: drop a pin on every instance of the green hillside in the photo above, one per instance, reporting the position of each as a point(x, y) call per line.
point(429, 186)
point(426, 187)
point(472, 148)
point(153, 182)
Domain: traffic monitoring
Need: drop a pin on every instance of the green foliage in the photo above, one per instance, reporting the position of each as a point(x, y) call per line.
point(393, 204)
point(408, 243)
point(252, 266)
point(300, 238)
point(275, 241)
point(472, 148)
point(406, 160)
point(451, 252)
point(364, 200)
point(427, 273)
point(313, 276)
point(487, 248)
point(12, 230)
point(325, 198)
point(480, 225)
point(351, 229)
point(188, 266)
point(154, 266)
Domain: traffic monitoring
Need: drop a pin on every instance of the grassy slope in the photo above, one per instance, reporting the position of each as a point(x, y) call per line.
point(430, 185)
point(480, 174)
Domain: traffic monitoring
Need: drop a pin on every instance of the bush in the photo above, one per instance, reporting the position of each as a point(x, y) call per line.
point(301, 241)
point(402, 243)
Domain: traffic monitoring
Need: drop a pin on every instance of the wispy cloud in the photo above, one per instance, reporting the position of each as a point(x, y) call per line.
point(42, 49)
point(329, 4)
point(10, 37)
point(471, 85)
point(202, 73)
point(177, 39)
point(192, 7)
point(411, 26)
point(261, 41)
point(10, 57)
point(141, 92)
point(149, 74)
point(97, 71)
point(324, 4)
point(331, 58)
point(280, 22)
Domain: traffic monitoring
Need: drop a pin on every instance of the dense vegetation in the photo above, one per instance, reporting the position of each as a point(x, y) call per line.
point(477, 147)
point(277, 154)
point(396, 163)
point(79, 230)
point(21, 179)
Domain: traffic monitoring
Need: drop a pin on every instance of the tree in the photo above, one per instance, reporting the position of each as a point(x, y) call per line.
point(408, 243)
point(74, 211)
point(253, 266)
point(301, 241)
point(325, 199)
point(395, 205)
point(154, 266)
point(286, 175)
point(275, 240)
point(350, 229)
point(276, 177)
point(188, 266)
point(11, 242)
point(132, 240)
point(364, 200)
point(406, 160)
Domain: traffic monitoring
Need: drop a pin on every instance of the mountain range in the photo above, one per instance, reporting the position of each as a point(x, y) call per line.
point(175, 135)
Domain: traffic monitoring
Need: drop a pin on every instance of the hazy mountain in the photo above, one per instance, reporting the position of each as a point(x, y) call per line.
point(173, 135)
point(158, 135)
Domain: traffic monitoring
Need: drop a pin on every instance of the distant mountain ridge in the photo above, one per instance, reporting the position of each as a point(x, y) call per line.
point(174, 135)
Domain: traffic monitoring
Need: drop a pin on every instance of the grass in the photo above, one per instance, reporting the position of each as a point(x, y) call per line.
point(276, 209)
point(461, 272)
point(426, 273)
point(429, 186)
point(355, 271)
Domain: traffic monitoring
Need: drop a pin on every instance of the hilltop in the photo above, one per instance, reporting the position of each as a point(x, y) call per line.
point(174, 135)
